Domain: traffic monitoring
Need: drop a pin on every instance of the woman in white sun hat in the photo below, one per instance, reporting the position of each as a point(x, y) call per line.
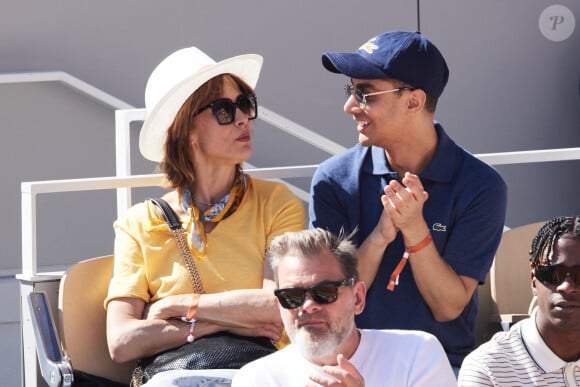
point(199, 128)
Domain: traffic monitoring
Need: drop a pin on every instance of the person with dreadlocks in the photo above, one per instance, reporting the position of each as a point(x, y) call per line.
point(543, 349)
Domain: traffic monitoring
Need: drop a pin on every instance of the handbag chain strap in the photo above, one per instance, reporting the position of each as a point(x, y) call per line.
point(179, 235)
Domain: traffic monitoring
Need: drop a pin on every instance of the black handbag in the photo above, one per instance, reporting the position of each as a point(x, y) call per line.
point(84, 379)
point(222, 350)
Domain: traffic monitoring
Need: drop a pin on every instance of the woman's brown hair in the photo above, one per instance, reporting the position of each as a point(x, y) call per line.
point(177, 164)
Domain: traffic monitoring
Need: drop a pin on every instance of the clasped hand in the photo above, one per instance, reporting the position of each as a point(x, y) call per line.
point(403, 203)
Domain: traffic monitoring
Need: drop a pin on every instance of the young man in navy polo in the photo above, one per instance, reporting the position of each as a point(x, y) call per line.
point(428, 215)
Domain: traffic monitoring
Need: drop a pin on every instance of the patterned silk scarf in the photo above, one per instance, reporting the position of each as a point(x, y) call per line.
point(217, 212)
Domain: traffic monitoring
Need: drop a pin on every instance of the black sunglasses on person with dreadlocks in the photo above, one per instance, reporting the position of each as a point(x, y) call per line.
point(556, 274)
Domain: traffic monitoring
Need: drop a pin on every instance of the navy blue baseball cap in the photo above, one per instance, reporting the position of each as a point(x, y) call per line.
point(404, 55)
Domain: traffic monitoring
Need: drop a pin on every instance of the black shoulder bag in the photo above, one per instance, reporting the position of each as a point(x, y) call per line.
point(222, 350)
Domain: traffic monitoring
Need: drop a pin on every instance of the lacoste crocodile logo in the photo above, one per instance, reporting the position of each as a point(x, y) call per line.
point(439, 227)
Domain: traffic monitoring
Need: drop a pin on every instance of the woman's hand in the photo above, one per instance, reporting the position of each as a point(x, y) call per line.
point(167, 308)
point(130, 336)
point(175, 307)
point(271, 331)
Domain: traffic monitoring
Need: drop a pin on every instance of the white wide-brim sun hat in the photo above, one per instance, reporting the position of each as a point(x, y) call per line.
point(174, 80)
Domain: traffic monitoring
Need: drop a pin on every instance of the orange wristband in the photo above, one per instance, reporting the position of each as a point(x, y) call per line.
point(419, 246)
point(193, 307)
point(394, 280)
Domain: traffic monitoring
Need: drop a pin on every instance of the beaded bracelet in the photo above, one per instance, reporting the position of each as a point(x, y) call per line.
point(191, 322)
point(394, 280)
point(190, 316)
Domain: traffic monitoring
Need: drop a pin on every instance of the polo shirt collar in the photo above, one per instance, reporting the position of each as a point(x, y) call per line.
point(440, 169)
point(379, 165)
point(546, 360)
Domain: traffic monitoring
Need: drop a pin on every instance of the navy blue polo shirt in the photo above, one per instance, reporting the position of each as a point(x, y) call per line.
point(465, 212)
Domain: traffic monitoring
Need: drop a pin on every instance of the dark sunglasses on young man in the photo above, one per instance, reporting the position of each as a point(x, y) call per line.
point(556, 274)
point(224, 109)
point(323, 293)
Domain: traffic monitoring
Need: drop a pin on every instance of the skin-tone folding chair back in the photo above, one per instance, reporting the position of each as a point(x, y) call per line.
point(506, 296)
point(83, 319)
point(510, 280)
point(485, 327)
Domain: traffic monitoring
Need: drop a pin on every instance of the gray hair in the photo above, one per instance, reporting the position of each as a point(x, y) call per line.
point(311, 242)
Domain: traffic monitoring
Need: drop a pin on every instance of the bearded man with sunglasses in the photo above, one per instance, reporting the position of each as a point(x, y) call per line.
point(543, 349)
point(319, 294)
point(428, 215)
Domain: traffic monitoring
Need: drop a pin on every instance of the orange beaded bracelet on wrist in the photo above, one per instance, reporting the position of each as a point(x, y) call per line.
point(394, 280)
point(193, 307)
point(190, 316)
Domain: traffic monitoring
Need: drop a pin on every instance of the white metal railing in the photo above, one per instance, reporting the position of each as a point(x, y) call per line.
point(69, 80)
point(31, 189)
point(531, 156)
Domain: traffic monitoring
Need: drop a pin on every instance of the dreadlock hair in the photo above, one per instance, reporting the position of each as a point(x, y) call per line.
point(560, 227)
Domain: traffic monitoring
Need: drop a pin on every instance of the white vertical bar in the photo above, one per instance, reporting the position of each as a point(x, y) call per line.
point(123, 158)
point(123, 119)
point(28, 230)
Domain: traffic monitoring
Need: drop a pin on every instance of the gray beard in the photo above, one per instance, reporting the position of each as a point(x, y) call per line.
point(317, 344)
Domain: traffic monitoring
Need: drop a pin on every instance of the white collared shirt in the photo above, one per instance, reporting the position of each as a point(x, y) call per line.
point(519, 357)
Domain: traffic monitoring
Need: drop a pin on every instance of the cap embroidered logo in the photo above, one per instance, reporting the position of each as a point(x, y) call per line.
point(369, 46)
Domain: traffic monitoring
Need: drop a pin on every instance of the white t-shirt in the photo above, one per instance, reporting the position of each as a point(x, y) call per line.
point(384, 358)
